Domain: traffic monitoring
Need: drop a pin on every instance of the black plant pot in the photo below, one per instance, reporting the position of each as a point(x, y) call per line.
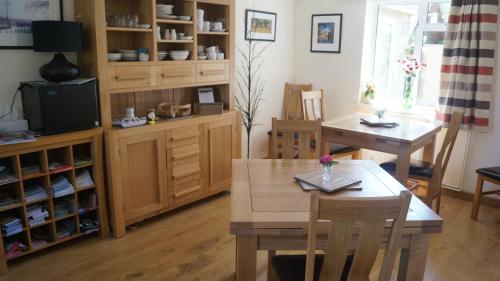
point(59, 69)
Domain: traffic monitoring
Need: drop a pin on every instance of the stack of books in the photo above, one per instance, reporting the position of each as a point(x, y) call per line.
point(6, 175)
point(374, 121)
point(35, 193)
point(81, 160)
point(32, 169)
point(15, 248)
point(56, 167)
point(89, 225)
point(65, 229)
point(7, 199)
point(17, 137)
point(11, 226)
point(64, 207)
point(37, 215)
point(86, 203)
point(62, 187)
point(83, 179)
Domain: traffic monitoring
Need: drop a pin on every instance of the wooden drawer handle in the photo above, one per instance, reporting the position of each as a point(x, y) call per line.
point(131, 78)
point(174, 75)
point(212, 72)
point(187, 191)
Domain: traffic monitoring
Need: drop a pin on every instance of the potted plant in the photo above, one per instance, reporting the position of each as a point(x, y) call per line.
point(369, 93)
point(411, 68)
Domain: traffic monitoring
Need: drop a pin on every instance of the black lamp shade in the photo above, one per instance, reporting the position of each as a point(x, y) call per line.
point(57, 36)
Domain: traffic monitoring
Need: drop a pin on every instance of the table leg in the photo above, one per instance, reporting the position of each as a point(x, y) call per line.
point(403, 167)
point(429, 151)
point(271, 273)
point(246, 258)
point(413, 259)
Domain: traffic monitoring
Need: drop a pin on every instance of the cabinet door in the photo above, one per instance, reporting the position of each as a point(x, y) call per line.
point(143, 165)
point(220, 156)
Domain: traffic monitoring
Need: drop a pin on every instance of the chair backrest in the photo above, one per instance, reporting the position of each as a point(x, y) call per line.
point(444, 154)
point(370, 216)
point(292, 130)
point(292, 105)
point(312, 105)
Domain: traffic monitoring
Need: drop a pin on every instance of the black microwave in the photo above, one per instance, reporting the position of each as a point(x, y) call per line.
point(54, 108)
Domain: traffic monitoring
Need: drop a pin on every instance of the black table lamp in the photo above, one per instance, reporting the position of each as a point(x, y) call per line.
point(58, 36)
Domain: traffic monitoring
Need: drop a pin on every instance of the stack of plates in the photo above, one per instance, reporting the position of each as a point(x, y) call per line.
point(164, 11)
point(162, 55)
point(129, 55)
point(179, 55)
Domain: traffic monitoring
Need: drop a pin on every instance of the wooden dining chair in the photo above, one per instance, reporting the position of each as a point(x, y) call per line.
point(347, 216)
point(312, 109)
point(292, 106)
point(295, 139)
point(433, 173)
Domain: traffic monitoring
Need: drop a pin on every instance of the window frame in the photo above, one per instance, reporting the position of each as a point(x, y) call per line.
point(423, 26)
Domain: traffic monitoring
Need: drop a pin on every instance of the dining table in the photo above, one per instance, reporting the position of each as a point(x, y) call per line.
point(270, 212)
point(410, 135)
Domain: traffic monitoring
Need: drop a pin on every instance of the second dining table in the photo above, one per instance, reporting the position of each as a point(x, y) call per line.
point(411, 135)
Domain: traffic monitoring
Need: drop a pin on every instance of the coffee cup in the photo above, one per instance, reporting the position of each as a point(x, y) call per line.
point(220, 56)
point(218, 25)
point(212, 56)
point(212, 50)
point(206, 26)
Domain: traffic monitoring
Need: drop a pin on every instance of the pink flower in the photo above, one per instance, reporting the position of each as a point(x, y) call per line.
point(327, 160)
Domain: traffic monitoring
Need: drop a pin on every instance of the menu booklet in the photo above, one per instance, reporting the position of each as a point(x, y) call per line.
point(337, 183)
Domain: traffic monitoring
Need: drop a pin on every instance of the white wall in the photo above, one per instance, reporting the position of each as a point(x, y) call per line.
point(22, 65)
point(277, 67)
point(337, 74)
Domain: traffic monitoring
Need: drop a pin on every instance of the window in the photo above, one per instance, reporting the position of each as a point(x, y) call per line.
point(399, 30)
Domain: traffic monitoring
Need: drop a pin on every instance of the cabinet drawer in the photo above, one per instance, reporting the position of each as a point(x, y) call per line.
point(187, 185)
point(132, 77)
point(184, 152)
point(177, 74)
point(183, 136)
point(186, 170)
point(212, 72)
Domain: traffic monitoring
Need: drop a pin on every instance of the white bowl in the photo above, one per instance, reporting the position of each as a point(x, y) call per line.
point(184, 18)
point(114, 56)
point(164, 9)
point(162, 55)
point(179, 55)
point(181, 34)
point(145, 26)
point(187, 38)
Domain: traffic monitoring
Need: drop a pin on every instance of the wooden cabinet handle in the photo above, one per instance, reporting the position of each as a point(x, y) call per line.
point(125, 78)
point(174, 75)
point(212, 72)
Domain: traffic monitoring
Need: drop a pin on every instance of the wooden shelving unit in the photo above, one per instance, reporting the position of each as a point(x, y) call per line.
point(146, 165)
point(64, 149)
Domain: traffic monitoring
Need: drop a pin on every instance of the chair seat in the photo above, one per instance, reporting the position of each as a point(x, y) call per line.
point(492, 172)
point(417, 168)
point(337, 148)
point(293, 267)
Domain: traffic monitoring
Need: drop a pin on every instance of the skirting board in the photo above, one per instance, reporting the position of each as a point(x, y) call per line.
point(485, 200)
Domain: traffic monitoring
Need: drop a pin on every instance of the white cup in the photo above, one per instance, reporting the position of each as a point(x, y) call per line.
point(206, 26)
point(212, 56)
point(220, 56)
point(218, 25)
point(200, 48)
point(212, 50)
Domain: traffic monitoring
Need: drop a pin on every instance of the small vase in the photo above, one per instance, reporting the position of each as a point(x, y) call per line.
point(408, 92)
point(327, 172)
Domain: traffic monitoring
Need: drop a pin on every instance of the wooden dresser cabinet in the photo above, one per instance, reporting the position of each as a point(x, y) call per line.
point(159, 168)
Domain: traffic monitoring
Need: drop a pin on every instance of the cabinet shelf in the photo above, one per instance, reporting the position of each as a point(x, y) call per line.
point(128, 29)
point(176, 41)
point(174, 21)
point(226, 33)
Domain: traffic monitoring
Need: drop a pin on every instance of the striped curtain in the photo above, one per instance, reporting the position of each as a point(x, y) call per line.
point(467, 73)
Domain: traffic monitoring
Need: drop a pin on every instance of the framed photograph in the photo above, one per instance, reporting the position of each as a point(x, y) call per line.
point(16, 17)
point(260, 26)
point(326, 33)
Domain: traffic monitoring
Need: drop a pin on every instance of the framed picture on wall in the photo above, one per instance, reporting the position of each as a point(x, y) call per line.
point(16, 17)
point(260, 26)
point(326, 33)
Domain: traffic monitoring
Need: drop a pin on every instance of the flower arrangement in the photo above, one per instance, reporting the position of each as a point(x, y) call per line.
point(410, 67)
point(327, 162)
point(369, 93)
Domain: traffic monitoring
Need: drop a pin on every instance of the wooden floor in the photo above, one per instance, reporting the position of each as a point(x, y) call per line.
point(194, 244)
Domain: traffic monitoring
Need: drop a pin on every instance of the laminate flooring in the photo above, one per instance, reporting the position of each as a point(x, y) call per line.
point(194, 243)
